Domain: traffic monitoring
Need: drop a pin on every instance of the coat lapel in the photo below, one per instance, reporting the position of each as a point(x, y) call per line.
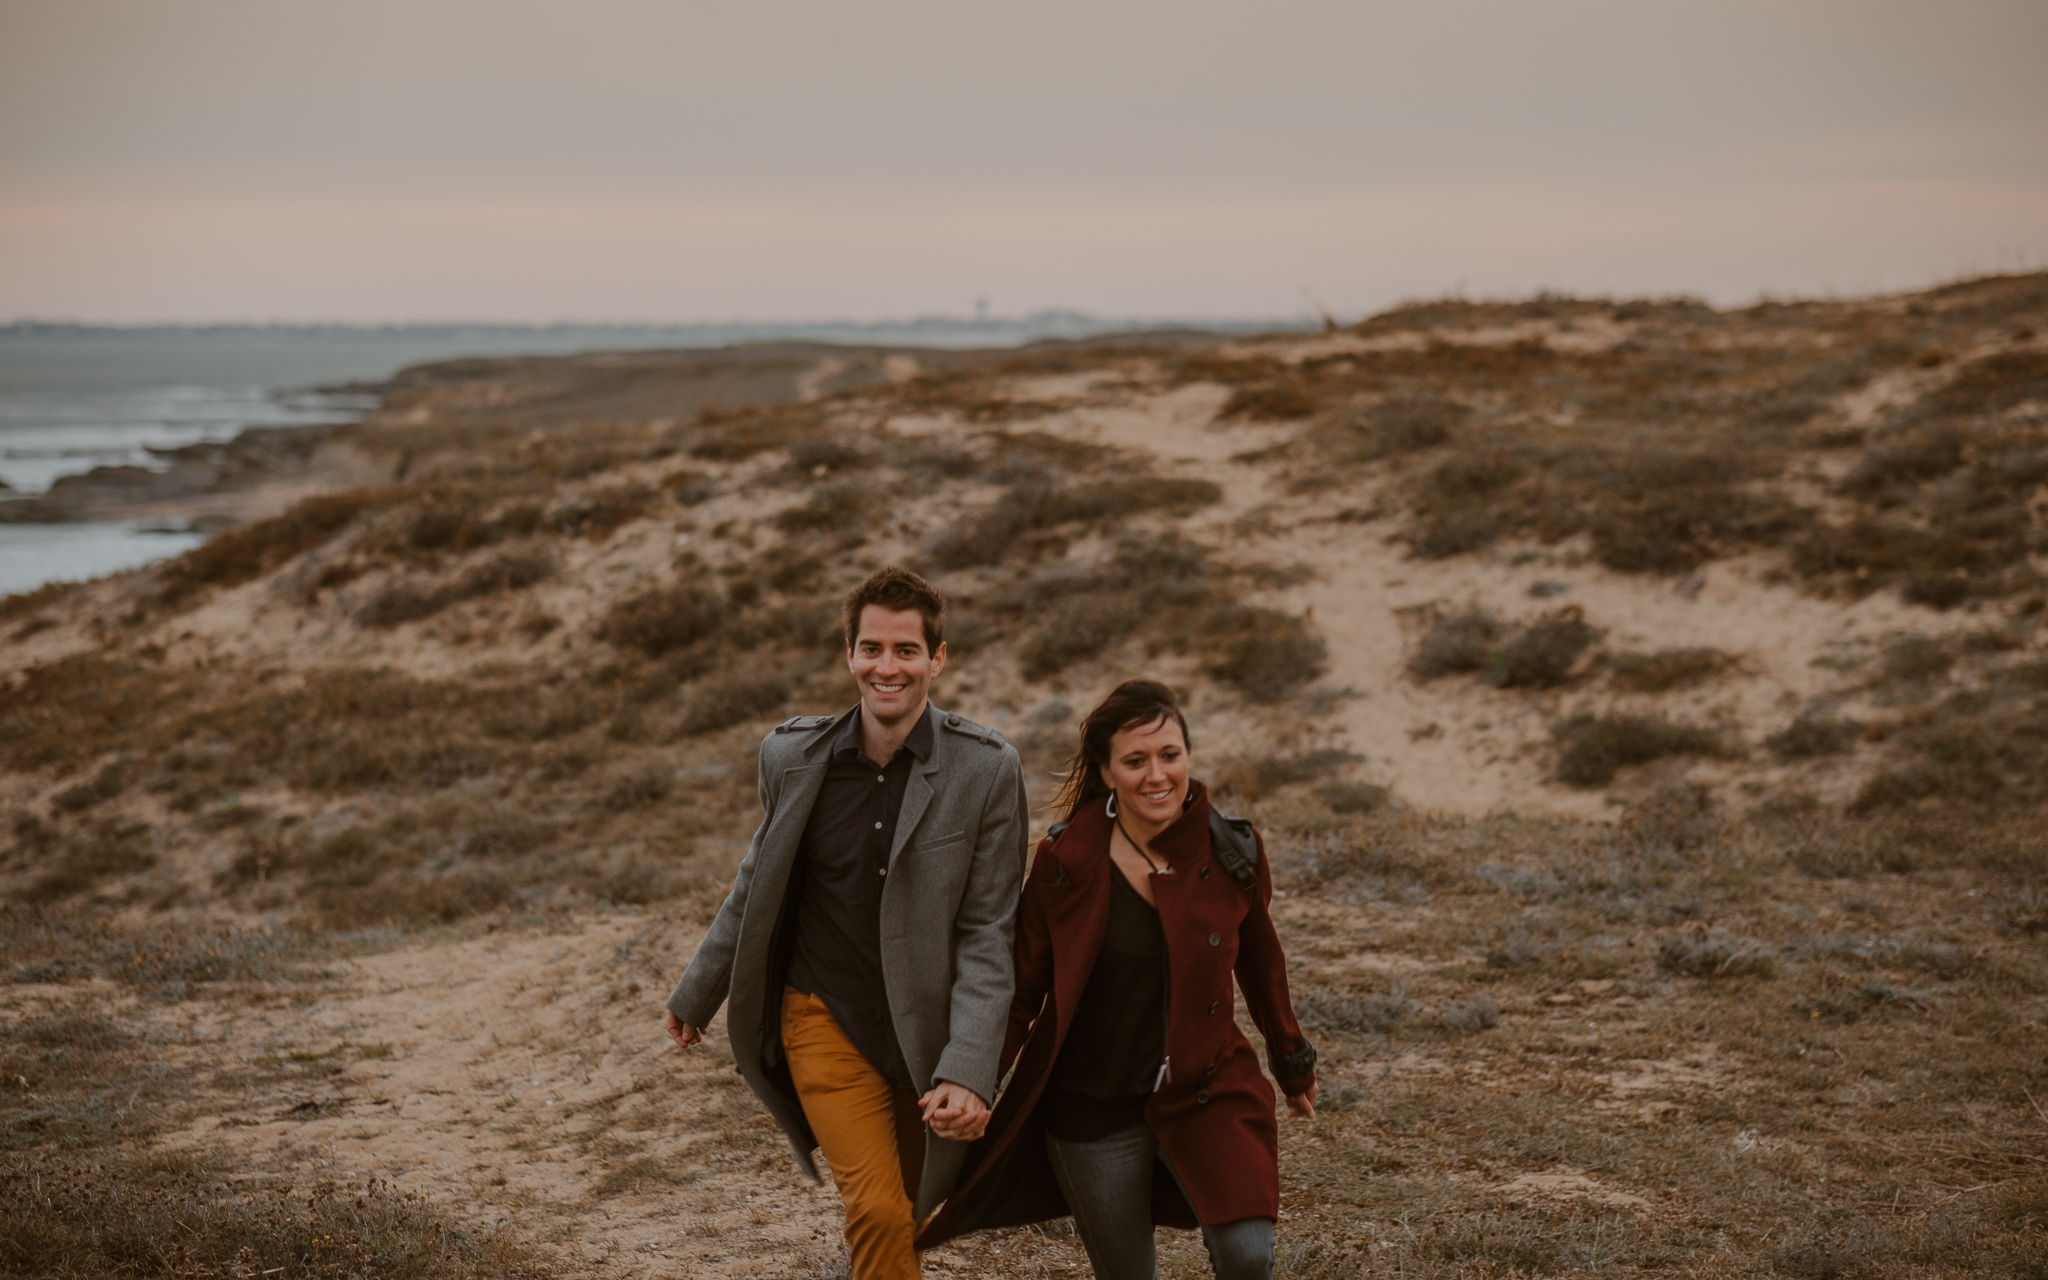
point(800, 784)
point(917, 797)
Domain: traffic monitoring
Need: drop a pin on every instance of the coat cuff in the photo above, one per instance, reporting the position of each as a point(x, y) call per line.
point(690, 1006)
point(1294, 1068)
point(962, 1069)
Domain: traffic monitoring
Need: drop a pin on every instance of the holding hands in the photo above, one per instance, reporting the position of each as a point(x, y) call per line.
point(955, 1112)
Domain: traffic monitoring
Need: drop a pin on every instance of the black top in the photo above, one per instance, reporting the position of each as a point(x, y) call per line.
point(845, 859)
point(1116, 1041)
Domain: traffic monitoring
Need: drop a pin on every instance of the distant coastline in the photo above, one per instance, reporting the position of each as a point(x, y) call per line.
point(121, 444)
point(930, 330)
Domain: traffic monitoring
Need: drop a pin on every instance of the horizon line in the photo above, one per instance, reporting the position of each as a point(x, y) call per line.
point(1052, 315)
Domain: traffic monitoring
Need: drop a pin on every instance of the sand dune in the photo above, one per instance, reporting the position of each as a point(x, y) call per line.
point(1643, 703)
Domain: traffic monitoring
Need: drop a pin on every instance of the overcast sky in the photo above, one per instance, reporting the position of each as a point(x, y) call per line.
point(795, 159)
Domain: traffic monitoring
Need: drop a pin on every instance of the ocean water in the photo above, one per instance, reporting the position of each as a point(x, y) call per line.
point(34, 554)
point(75, 397)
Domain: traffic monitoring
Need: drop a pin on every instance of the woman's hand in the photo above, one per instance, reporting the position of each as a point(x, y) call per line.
point(1303, 1104)
point(955, 1112)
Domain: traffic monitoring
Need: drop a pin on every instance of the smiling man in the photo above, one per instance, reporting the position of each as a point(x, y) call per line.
point(866, 943)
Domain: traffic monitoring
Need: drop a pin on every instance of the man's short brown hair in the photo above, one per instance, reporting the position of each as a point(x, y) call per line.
point(898, 590)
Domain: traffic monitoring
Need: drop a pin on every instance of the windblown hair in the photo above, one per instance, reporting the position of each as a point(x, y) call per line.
point(1134, 704)
point(898, 590)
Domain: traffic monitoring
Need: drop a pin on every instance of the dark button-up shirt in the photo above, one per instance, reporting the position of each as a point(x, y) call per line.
point(845, 857)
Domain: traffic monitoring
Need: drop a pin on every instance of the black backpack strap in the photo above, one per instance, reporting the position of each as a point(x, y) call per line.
point(1235, 845)
point(1059, 869)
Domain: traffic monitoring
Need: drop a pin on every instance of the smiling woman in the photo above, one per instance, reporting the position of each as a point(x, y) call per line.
point(1140, 909)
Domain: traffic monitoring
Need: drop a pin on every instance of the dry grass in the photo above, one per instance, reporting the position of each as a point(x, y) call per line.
point(1815, 734)
point(1668, 669)
point(240, 555)
point(1592, 747)
point(83, 1193)
point(1694, 1090)
point(1032, 513)
point(179, 1217)
point(1674, 448)
point(405, 600)
point(1167, 593)
point(1800, 1040)
point(1541, 654)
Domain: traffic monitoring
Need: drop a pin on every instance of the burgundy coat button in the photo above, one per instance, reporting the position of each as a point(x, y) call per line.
point(1205, 873)
point(1215, 939)
point(1203, 1097)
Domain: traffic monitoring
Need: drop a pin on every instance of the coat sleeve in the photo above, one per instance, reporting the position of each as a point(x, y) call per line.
point(1262, 976)
point(983, 981)
point(1034, 966)
point(704, 984)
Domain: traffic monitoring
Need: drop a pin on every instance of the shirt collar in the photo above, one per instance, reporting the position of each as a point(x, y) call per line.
point(919, 743)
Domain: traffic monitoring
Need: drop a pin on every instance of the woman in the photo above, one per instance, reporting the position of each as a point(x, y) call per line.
point(1136, 1100)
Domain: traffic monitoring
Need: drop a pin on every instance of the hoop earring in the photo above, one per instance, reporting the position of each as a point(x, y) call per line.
point(1111, 811)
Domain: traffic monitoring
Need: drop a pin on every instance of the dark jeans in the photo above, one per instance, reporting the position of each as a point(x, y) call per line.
point(1108, 1185)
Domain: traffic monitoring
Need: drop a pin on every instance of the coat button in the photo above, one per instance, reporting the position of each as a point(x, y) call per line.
point(1203, 1097)
point(1215, 939)
point(1212, 1006)
point(1205, 873)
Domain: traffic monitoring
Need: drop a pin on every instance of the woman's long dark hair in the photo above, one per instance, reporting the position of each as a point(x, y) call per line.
point(1131, 705)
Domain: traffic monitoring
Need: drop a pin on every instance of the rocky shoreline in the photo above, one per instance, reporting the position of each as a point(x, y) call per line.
point(213, 486)
point(191, 486)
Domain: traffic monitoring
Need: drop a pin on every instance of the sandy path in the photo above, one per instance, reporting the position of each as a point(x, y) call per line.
point(1456, 743)
point(521, 1082)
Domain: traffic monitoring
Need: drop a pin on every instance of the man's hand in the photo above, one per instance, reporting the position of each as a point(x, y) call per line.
point(1304, 1104)
point(682, 1032)
point(955, 1112)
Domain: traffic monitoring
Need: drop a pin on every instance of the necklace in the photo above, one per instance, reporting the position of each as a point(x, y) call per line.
point(1157, 868)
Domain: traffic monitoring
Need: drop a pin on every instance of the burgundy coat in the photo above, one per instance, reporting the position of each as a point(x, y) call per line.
point(1215, 1116)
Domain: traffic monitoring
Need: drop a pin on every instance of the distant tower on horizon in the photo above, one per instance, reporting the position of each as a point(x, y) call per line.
point(981, 310)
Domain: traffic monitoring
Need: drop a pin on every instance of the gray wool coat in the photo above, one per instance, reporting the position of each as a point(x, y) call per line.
point(948, 909)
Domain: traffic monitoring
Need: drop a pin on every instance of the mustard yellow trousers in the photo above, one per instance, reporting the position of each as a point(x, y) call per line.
point(872, 1135)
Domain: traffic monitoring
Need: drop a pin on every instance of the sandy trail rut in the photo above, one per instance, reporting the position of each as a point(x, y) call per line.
point(1458, 744)
point(521, 1081)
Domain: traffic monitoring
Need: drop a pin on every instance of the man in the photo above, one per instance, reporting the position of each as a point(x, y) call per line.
point(866, 943)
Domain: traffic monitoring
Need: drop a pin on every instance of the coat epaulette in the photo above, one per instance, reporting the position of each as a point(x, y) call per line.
point(797, 724)
point(1236, 846)
point(967, 728)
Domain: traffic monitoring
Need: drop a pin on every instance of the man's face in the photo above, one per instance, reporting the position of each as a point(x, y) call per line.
point(890, 663)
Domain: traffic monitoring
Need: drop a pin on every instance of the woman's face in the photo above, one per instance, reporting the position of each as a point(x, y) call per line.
point(1148, 770)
